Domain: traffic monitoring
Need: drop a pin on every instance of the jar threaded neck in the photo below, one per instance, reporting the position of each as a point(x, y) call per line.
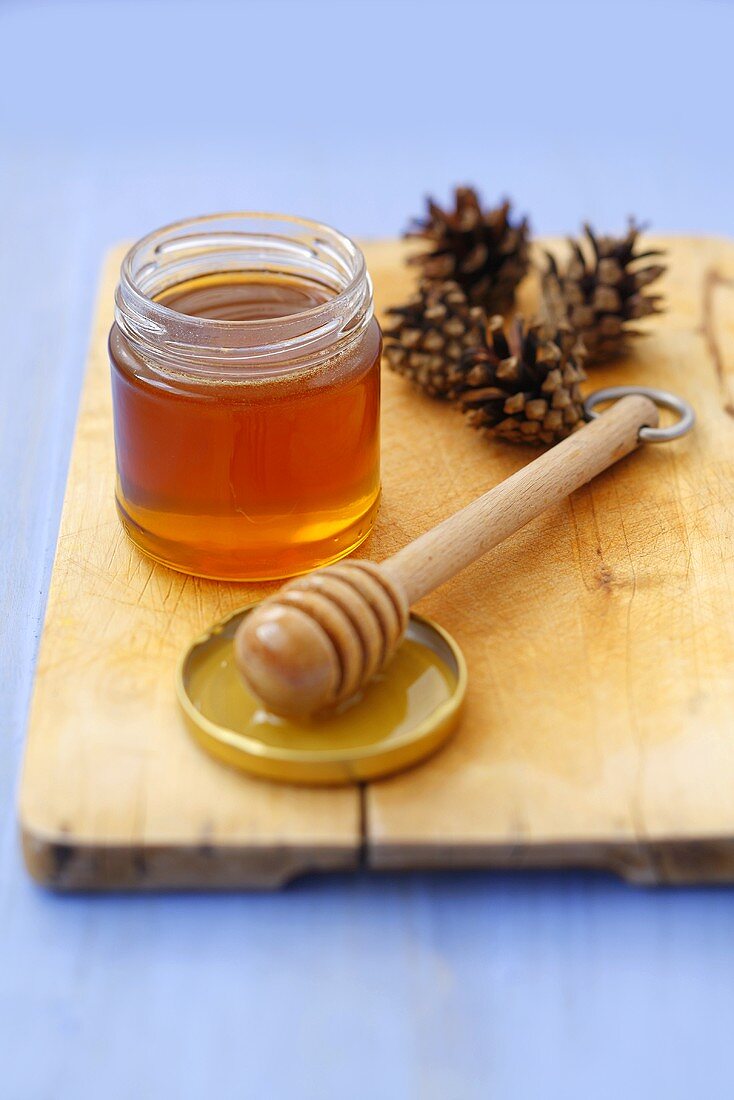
point(269, 245)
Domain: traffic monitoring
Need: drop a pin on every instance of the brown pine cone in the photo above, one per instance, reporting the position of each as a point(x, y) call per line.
point(482, 250)
point(600, 290)
point(523, 385)
point(430, 334)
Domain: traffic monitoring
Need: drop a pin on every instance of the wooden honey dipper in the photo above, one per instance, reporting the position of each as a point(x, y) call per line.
point(323, 636)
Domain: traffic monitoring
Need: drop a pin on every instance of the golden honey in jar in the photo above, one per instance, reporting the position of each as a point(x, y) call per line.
point(246, 389)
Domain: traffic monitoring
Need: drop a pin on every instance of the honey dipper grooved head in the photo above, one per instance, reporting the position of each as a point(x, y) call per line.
point(321, 638)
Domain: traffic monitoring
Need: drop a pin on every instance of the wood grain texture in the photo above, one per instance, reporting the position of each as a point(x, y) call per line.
point(441, 553)
point(599, 642)
point(114, 792)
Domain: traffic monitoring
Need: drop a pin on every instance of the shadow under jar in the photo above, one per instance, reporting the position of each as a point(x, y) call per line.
point(246, 390)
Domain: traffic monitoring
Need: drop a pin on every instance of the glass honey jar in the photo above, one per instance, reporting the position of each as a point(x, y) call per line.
point(246, 390)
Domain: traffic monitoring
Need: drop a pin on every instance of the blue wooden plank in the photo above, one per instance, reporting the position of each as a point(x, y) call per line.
point(117, 116)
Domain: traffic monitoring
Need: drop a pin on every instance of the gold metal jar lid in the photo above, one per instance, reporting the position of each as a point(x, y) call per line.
point(403, 716)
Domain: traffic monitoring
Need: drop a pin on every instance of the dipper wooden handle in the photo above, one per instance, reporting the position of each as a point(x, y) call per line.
point(323, 636)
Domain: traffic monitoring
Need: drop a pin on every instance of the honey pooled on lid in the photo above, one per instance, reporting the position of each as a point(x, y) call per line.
point(403, 715)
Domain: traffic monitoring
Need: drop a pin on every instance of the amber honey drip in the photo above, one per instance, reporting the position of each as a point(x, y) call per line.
point(260, 478)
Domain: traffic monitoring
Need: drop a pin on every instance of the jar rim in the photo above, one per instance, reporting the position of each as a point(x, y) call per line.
point(158, 260)
point(267, 216)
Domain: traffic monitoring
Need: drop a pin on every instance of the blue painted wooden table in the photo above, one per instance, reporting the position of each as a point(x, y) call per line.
point(115, 117)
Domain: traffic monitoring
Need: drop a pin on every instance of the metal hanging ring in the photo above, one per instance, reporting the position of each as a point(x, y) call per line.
point(664, 398)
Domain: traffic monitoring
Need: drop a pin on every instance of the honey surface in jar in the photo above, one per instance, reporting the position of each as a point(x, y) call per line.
point(261, 477)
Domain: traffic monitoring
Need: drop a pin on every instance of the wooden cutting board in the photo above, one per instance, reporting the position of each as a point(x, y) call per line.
point(599, 729)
